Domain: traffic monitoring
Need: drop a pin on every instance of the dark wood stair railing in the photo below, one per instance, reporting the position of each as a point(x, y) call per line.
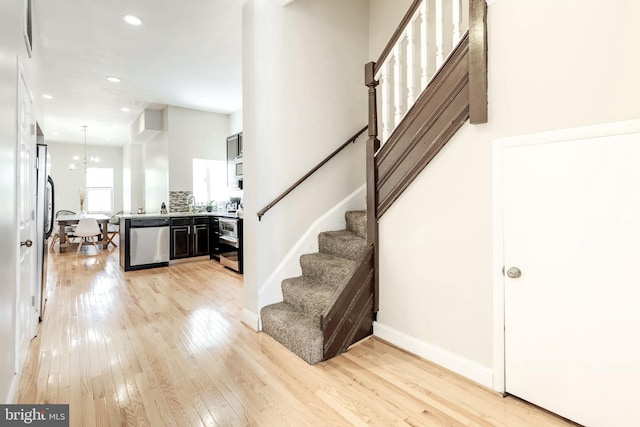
point(284, 194)
point(455, 93)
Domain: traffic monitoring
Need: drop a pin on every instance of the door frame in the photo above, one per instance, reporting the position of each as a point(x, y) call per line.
point(499, 147)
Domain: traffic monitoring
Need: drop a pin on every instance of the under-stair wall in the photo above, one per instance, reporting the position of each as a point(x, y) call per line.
point(413, 134)
point(436, 294)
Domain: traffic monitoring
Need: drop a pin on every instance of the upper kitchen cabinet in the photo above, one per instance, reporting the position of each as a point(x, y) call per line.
point(234, 161)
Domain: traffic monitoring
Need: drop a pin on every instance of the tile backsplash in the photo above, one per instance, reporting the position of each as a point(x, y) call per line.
point(178, 201)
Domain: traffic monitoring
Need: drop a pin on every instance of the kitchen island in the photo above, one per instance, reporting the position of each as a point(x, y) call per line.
point(156, 240)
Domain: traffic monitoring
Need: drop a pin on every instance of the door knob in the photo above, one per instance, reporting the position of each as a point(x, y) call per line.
point(514, 272)
point(28, 243)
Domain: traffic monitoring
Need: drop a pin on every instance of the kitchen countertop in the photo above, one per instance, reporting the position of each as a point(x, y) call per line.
point(179, 214)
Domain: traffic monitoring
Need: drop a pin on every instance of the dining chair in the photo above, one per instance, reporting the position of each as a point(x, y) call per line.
point(87, 228)
point(113, 228)
point(55, 234)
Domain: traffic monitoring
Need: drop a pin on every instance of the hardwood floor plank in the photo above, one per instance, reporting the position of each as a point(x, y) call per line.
point(165, 347)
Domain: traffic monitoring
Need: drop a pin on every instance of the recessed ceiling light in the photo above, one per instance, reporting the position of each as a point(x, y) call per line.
point(47, 96)
point(56, 133)
point(125, 109)
point(132, 20)
point(113, 79)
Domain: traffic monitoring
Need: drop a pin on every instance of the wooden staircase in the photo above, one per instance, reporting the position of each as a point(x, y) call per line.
point(333, 304)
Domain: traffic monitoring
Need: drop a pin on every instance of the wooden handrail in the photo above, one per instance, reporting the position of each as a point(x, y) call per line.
point(275, 201)
point(396, 35)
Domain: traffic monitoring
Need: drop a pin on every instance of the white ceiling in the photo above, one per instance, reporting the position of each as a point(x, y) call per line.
point(186, 53)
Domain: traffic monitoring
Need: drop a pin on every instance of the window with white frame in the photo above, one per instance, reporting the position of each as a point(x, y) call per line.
point(209, 180)
point(99, 190)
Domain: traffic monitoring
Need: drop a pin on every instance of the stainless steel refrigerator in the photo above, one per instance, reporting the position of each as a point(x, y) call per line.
point(44, 222)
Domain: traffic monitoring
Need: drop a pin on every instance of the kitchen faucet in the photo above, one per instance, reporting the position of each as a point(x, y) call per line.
point(191, 201)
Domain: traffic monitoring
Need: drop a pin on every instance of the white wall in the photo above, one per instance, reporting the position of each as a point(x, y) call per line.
point(303, 96)
point(133, 185)
point(384, 18)
point(69, 182)
point(550, 67)
point(193, 134)
point(155, 159)
point(164, 162)
point(10, 37)
point(235, 122)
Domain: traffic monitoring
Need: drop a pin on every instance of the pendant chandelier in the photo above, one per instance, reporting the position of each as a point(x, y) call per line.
point(82, 161)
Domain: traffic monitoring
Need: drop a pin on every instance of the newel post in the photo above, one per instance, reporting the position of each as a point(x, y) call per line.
point(373, 144)
point(478, 80)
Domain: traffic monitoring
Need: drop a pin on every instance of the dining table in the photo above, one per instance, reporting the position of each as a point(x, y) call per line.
point(65, 221)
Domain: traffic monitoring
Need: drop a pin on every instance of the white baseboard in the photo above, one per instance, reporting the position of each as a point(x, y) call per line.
point(250, 319)
point(456, 363)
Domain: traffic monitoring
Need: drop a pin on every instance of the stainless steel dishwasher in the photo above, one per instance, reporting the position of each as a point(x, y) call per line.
point(148, 242)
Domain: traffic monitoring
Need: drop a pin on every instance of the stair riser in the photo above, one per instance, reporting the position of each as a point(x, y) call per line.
point(329, 274)
point(357, 223)
point(301, 305)
point(311, 300)
point(350, 249)
point(306, 343)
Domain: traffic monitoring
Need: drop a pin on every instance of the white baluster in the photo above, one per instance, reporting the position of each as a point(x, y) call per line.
point(398, 82)
point(457, 20)
point(411, 64)
point(385, 100)
point(439, 33)
point(424, 49)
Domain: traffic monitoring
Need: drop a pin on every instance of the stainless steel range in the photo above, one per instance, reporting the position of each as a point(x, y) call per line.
point(230, 242)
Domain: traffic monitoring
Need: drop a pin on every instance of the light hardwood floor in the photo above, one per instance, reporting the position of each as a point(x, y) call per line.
point(166, 347)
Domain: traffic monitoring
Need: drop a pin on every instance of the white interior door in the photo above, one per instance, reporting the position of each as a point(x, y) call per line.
point(26, 309)
point(572, 320)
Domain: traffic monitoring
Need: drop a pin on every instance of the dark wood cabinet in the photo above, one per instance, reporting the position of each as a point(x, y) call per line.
point(180, 238)
point(190, 237)
point(201, 236)
point(214, 241)
point(234, 152)
point(180, 242)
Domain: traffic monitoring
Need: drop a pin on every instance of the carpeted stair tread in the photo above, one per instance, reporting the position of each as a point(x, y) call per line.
point(294, 330)
point(357, 223)
point(307, 296)
point(342, 243)
point(325, 268)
